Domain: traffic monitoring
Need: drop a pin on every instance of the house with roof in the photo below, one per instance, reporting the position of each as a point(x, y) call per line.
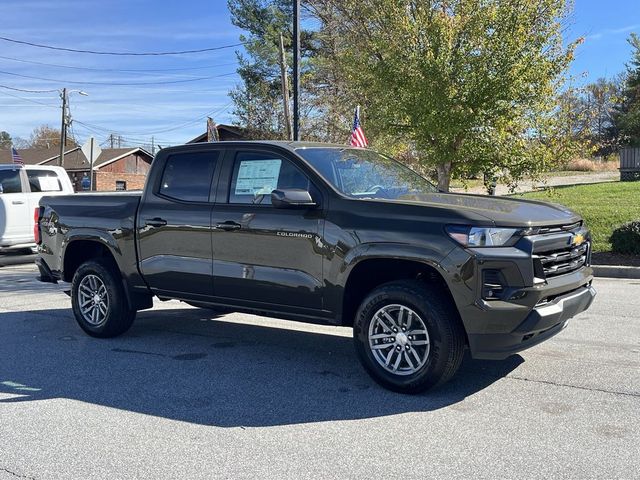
point(226, 133)
point(114, 169)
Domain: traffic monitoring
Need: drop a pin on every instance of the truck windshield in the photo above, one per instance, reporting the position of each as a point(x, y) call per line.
point(361, 173)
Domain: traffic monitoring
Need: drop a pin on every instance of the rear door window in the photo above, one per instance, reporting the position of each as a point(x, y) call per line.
point(44, 181)
point(188, 176)
point(10, 181)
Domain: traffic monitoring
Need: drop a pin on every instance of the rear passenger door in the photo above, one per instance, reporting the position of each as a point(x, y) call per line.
point(174, 225)
point(264, 256)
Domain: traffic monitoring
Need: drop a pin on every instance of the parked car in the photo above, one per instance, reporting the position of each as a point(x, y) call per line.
point(329, 234)
point(21, 188)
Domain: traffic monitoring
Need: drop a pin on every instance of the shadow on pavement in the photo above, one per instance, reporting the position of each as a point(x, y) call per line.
point(187, 365)
point(16, 258)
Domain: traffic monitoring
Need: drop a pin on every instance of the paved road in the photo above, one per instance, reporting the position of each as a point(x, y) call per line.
point(189, 395)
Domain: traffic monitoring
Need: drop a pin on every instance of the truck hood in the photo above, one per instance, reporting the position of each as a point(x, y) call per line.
point(501, 211)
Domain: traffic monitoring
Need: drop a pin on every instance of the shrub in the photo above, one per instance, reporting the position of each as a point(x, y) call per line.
point(581, 165)
point(588, 165)
point(626, 238)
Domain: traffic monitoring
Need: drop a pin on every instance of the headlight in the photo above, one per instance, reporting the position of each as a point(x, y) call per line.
point(483, 236)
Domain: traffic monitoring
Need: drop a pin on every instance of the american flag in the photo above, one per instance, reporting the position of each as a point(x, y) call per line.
point(15, 156)
point(357, 134)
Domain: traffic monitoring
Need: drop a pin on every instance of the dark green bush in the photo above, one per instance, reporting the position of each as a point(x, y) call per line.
point(626, 238)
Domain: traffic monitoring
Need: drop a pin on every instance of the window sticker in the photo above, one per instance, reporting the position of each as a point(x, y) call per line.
point(49, 184)
point(258, 177)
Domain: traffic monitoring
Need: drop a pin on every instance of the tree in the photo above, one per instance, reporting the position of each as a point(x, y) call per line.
point(627, 117)
point(5, 139)
point(587, 114)
point(45, 136)
point(472, 85)
point(258, 98)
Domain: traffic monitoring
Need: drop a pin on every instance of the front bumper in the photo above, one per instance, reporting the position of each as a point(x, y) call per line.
point(540, 324)
point(529, 305)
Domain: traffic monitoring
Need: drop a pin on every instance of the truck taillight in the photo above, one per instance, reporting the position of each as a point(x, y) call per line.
point(36, 225)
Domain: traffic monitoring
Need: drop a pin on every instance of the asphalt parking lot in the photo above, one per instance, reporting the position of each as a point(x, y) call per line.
point(186, 394)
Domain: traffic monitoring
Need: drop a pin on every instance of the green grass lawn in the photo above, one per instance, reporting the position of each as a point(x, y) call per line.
point(604, 206)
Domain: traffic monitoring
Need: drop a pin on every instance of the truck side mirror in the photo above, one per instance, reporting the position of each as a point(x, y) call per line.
point(292, 198)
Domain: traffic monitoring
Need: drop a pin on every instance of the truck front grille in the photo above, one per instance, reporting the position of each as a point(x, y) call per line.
point(565, 260)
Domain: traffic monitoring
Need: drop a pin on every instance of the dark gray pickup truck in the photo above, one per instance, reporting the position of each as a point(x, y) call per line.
point(329, 234)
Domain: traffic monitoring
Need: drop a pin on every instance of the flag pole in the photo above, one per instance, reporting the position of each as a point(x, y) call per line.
point(296, 70)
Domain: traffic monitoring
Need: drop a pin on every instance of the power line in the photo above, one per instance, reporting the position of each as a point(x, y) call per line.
point(32, 101)
point(27, 91)
point(123, 70)
point(165, 130)
point(118, 83)
point(94, 52)
point(104, 133)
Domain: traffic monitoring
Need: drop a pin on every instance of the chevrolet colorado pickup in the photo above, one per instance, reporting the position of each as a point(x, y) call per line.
point(329, 234)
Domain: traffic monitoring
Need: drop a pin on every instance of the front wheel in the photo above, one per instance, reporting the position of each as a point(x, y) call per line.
point(408, 338)
point(98, 300)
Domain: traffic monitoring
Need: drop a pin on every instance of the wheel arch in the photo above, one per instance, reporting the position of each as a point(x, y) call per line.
point(373, 271)
point(83, 247)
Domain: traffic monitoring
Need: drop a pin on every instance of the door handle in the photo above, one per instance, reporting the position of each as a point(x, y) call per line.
point(155, 222)
point(18, 202)
point(228, 226)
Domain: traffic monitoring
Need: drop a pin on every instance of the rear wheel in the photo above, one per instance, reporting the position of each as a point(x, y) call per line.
point(98, 300)
point(408, 338)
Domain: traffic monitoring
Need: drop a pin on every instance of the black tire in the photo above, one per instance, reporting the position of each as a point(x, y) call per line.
point(118, 317)
point(444, 343)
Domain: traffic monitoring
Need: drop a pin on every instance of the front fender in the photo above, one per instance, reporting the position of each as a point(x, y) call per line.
point(338, 272)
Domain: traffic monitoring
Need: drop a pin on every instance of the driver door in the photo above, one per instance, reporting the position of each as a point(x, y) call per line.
point(265, 256)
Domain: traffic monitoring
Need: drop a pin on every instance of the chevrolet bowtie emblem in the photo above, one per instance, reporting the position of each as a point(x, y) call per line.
point(577, 239)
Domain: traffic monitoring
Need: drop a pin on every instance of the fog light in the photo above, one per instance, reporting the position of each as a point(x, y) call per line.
point(493, 284)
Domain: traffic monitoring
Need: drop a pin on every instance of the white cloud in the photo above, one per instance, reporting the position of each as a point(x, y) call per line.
point(613, 31)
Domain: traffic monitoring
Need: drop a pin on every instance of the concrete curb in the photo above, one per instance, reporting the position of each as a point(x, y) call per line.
point(616, 271)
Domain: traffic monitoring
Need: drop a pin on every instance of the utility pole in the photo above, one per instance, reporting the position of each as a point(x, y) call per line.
point(296, 70)
point(153, 146)
point(285, 88)
point(111, 139)
point(63, 127)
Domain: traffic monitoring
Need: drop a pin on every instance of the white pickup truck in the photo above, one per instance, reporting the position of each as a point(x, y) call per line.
point(21, 188)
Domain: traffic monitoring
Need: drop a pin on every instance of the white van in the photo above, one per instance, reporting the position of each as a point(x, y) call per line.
point(21, 188)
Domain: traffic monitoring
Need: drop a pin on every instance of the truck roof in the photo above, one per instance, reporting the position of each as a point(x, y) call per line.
point(6, 166)
point(289, 145)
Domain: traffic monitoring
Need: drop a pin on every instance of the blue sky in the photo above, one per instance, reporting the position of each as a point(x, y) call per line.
point(174, 112)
